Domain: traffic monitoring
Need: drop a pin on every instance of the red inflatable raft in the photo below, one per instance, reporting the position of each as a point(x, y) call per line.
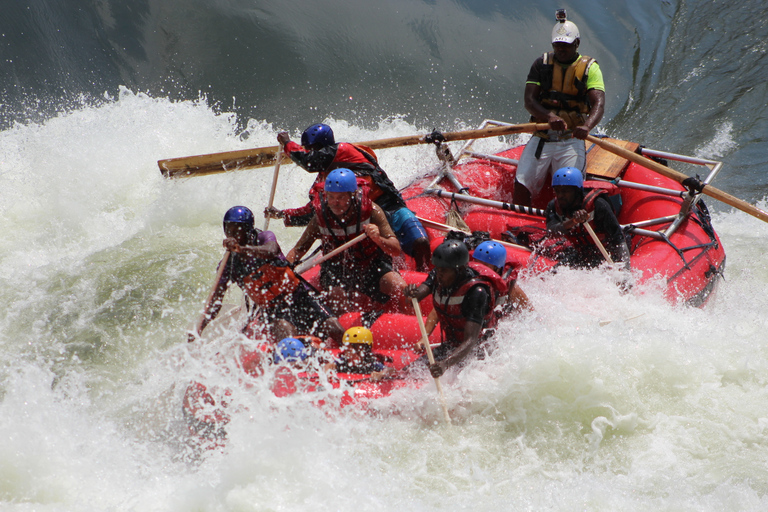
point(671, 233)
point(672, 238)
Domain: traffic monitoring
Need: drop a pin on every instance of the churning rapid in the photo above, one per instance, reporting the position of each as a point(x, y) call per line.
point(595, 401)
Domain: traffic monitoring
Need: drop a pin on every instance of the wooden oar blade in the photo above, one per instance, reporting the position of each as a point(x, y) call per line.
point(215, 163)
point(708, 190)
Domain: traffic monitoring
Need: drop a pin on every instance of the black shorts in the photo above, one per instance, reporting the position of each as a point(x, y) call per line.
point(302, 310)
point(364, 280)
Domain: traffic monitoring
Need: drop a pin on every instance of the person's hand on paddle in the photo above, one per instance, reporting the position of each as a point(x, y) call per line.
point(419, 347)
point(270, 212)
point(436, 370)
point(416, 291)
point(283, 138)
point(231, 245)
point(580, 216)
point(372, 230)
point(556, 122)
point(581, 132)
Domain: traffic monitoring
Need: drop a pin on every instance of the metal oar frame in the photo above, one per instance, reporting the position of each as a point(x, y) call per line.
point(690, 197)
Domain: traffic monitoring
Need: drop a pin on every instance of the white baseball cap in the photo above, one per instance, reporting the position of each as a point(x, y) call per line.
point(566, 32)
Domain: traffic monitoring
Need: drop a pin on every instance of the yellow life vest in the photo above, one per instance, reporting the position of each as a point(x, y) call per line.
point(566, 93)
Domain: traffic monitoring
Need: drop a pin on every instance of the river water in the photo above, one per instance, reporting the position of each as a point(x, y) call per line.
point(595, 401)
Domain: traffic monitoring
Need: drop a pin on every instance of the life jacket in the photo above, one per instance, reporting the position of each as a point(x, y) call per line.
point(578, 239)
point(564, 91)
point(509, 276)
point(448, 307)
point(333, 234)
point(288, 382)
point(592, 190)
point(369, 364)
point(364, 163)
point(272, 280)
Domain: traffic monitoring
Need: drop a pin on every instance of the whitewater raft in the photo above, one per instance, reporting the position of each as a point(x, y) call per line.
point(669, 229)
point(670, 233)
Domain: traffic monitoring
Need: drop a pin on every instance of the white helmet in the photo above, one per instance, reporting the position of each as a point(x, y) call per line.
point(566, 32)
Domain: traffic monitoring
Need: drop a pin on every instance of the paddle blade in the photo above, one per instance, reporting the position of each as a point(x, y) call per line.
point(214, 163)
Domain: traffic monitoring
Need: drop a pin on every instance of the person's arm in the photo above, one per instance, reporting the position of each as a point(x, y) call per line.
point(558, 225)
point(597, 102)
point(517, 299)
point(431, 322)
point(311, 233)
point(213, 306)
point(380, 232)
point(606, 222)
point(269, 249)
point(314, 161)
point(474, 309)
point(472, 332)
point(538, 111)
point(420, 291)
point(294, 217)
point(291, 149)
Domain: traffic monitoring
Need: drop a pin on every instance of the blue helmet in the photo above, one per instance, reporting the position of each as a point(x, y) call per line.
point(341, 180)
point(492, 253)
point(239, 214)
point(290, 350)
point(569, 176)
point(318, 134)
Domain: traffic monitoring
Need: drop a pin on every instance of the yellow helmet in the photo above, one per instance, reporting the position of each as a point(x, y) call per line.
point(359, 335)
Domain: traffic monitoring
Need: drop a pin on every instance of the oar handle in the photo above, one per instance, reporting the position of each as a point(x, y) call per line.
point(679, 177)
point(446, 228)
point(316, 261)
point(430, 357)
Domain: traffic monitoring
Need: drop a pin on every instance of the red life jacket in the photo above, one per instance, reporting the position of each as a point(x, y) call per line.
point(592, 190)
point(333, 234)
point(270, 282)
point(448, 307)
point(362, 161)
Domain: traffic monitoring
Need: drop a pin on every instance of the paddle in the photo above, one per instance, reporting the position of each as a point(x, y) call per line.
point(214, 163)
point(198, 325)
point(316, 261)
point(679, 177)
point(428, 348)
point(446, 228)
point(597, 241)
point(278, 158)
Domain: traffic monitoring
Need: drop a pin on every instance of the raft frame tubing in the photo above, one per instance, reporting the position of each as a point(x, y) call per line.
point(445, 169)
point(690, 198)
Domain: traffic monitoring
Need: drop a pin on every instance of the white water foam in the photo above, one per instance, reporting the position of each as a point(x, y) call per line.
point(595, 401)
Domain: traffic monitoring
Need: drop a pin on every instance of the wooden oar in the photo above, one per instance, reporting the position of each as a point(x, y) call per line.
point(446, 228)
point(219, 273)
point(428, 348)
point(316, 261)
point(598, 243)
point(214, 163)
point(278, 158)
point(679, 177)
